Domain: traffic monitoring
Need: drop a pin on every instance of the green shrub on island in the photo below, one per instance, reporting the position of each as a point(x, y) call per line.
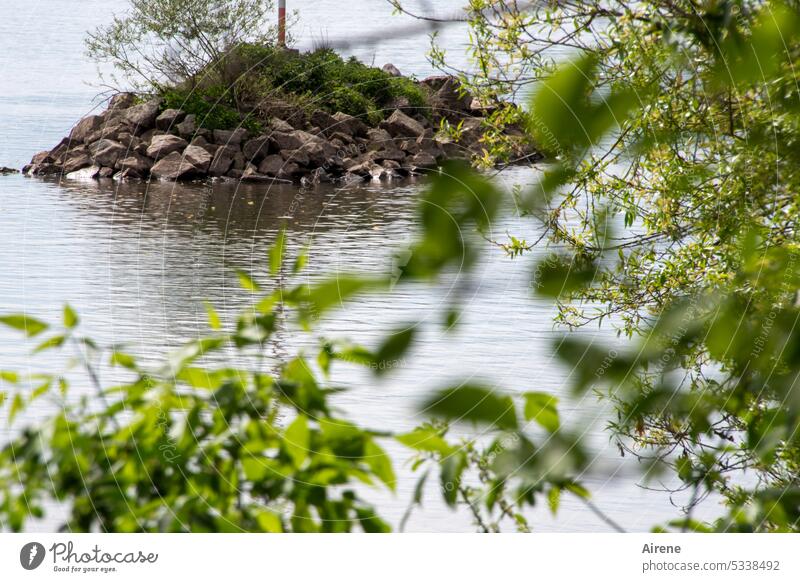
point(227, 92)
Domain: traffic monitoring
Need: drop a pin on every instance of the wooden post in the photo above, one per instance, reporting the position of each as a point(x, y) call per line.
point(282, 23)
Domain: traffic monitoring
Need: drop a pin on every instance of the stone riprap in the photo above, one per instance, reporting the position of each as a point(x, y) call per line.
point(142, 140)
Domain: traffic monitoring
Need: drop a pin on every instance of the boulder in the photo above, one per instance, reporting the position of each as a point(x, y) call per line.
point(223, 160)
point(401, 125)
point(89, 173)
point(293, 140)
point(121, 101)
point(163, 145)
point(77, 159)
point(391, 153)
point(319, 152)
point(4, 171)
point(341, 137)
point(251, 174)
point(128, 174)
point(350, 125)
point(390, 69)
point(84, 127)
point(278, 124)
point(318, 176)
point(230, 137)
point(351, 179)
point(323, 120)
point(187, 127)
point(198, 157)
point(255, 149)
point(105, 173)
point(143, 116)
point(296, 156)
point(106, 152)
point(136, 163)
point(271, 165)
point(450, 100)
point(130, 141)
point(422, 161)
point(41, 158)
point(239, 161)
point(45, 169)
point(112, 129)
point(173, 167)
point(169, 119)
point(289, 171)
point(379, 136)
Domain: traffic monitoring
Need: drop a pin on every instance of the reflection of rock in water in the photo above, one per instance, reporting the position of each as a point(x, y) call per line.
point(239, 209)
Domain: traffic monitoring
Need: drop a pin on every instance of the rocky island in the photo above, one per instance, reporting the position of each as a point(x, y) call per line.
point(310, 118)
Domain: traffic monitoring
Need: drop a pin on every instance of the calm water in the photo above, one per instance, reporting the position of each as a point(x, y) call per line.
point(137, 260)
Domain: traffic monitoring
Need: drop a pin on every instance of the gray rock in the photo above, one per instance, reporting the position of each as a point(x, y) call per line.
point(105, 173)
point(187, 127)
point(350, 125)
point(390, 154)
point(422, 161)
point(4, 171)
point(342, 137)
point(223, 160)
point(198, 157)
point(112, 130)
point(319, 152)
point(89, 173)
point(291, 141)
point(77, 159)
point(318, 176)
point(351, 179)
point(401, 125)
point(255, 149)
point(324, 121)
point(128, 174)
point(139, 164)
point(106, 152)
point(173, 167)
point(278, 124)
point(251, 174)
point(46, 169)
point(163, 145)
point(379, 136)
point(84, 127)
point(230, 137)
point(289, 171)
point(121, 101)
point(169, 119)
point(271, 165)
point(296, 156)
point(239, 161)
point(42, 158)
point(390, 69)
point(143, 116)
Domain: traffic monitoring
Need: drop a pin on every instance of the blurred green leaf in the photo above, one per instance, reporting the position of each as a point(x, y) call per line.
point(31, 326)
point(474, 403)
point(542, 408)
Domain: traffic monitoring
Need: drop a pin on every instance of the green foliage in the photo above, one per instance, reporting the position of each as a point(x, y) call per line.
point(324, 80)
point(214, 107)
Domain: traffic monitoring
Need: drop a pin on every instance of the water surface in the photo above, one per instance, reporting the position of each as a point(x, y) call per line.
point(137, 260)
